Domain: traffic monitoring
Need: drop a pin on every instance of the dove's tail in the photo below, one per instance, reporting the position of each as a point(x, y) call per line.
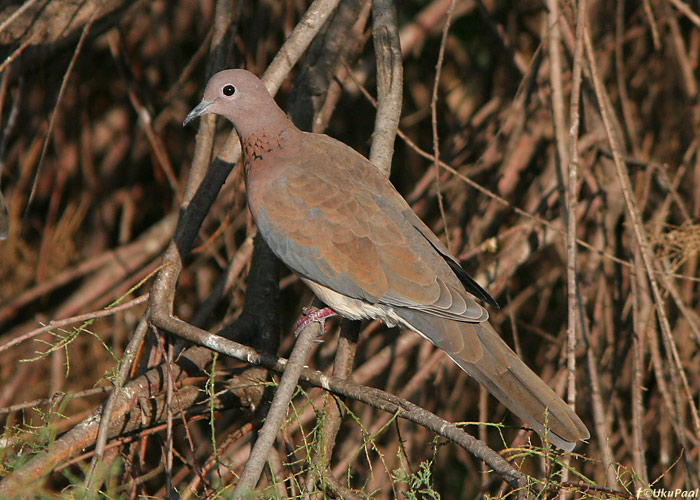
point(482, 353)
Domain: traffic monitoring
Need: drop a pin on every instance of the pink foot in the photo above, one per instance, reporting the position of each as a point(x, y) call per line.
point(310, 315)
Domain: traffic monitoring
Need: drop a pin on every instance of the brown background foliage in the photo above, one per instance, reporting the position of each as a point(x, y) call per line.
point(94, 160)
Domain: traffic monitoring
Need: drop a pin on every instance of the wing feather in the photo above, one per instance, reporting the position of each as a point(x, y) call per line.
point(359, 237)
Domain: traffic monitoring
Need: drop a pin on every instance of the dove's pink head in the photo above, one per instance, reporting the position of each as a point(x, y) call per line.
point(241, 97)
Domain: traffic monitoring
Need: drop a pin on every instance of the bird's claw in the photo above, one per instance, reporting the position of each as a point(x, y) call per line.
point(311, 315)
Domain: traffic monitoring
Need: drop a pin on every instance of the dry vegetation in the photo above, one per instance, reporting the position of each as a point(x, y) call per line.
point(95, 166)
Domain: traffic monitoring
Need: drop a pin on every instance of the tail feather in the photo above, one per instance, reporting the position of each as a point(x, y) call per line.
point(479, 350)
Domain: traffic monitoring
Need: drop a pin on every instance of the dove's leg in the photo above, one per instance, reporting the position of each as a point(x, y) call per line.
point(310, 315)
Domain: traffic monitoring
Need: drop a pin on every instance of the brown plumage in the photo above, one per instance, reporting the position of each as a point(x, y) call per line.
point(331, 217)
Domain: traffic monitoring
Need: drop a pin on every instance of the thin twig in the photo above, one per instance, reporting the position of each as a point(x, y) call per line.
point(278, 410)
point(433, 118)
point(59, 98)
point(641, 315)
point(640, 236)
point(686, 11)
point(16, 14)
point(52, 325)
point(94, 475)
point(571, 202)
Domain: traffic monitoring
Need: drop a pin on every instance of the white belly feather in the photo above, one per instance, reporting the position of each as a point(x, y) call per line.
point(352, 308)
point(356, 309)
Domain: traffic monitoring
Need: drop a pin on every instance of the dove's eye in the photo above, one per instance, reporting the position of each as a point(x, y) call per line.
point(229, 90)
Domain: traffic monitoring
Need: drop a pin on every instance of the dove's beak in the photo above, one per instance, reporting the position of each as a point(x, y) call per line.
point(199, 110)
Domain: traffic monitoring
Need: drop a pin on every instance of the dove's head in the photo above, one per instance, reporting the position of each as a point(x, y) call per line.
point(241, 97)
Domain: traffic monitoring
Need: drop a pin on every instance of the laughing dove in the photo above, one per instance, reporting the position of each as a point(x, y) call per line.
point(335, 220)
